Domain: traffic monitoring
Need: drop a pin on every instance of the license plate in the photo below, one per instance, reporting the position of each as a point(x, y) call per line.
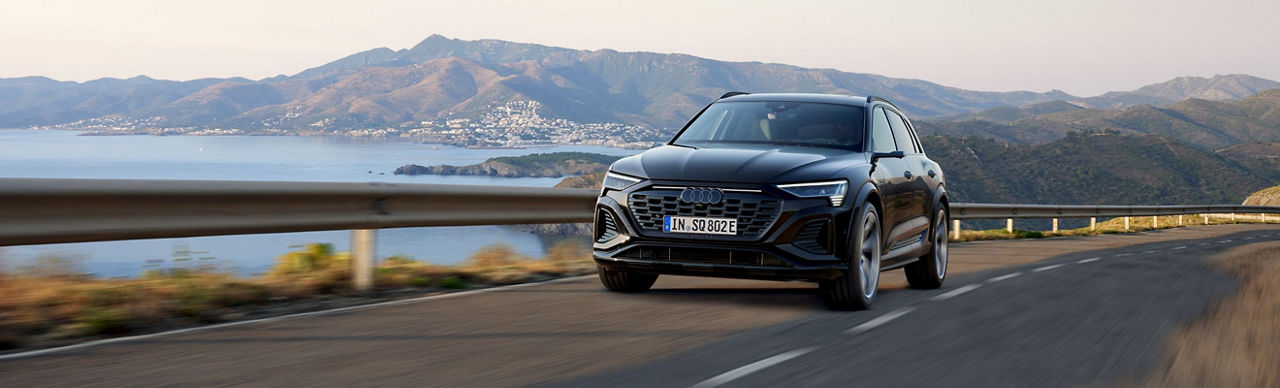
point(700, 225)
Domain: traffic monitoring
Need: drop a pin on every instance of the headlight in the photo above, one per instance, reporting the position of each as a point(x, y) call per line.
point(616, 181)
point(833, 190)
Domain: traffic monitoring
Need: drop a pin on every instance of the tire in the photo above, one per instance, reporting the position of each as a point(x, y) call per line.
point(857, 288)
point(931, 270)
point(625, 281)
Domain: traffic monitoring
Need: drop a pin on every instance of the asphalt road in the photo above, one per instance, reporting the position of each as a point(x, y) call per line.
point(1053, 312)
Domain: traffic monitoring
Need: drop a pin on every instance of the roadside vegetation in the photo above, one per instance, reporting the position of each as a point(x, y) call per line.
point(51, 301)
point(1111, 226)
point(1236, 344)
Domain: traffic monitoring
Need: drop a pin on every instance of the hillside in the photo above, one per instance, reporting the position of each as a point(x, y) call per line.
point(553, 165)
point(448, 78)
point(1216, 88)
point(1093, 169)
point(1265, 197)
point(1204, 124)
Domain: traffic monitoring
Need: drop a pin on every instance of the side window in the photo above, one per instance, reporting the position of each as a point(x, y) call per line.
point(915, 137)
point(905, 142)
point(881, 133)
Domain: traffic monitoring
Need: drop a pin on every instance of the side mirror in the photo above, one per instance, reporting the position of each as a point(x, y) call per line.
point(891, 154)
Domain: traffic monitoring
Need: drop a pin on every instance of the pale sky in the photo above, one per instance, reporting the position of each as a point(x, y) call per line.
point(1084, 47)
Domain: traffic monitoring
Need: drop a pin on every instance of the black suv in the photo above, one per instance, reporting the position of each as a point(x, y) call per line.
point(832, 189)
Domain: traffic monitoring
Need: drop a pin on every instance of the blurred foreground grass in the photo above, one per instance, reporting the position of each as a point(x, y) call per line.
point(51, 301)
point(1238, 343)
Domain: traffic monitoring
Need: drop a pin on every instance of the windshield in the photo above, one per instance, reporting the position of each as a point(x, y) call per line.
point(782, 123)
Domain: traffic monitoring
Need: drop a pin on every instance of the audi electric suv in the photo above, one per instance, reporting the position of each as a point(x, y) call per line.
point(824, 188)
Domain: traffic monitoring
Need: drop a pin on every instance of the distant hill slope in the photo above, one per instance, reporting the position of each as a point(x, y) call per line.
point(554, 165)
point(1204, 124)
point(1094, 169)
point(442, 77)
point(1216, 88)
point(1265, 197)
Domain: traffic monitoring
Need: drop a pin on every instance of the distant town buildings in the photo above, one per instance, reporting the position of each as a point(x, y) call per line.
point(514, 124)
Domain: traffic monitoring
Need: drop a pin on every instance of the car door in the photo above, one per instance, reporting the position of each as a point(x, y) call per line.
point(889, 175)
point(918, 200)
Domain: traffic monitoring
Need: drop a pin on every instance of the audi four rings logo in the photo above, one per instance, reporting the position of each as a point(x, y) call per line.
point(702, 196)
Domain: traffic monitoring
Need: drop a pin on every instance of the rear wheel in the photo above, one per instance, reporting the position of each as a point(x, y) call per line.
point(856, 289)
point(625, 281)
point(929, 272)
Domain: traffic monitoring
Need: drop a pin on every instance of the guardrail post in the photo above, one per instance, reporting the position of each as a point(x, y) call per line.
point(1206, 218)
point(1233, 218)
point(1093, 223)
point(1155, 222)
point(1179, 220)
point(1126, 223)
point(1055, 225)
point(1008, 225)
point(363, 245)
point(955, 229)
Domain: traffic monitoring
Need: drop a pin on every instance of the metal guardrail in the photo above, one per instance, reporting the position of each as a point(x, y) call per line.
point(39, 211)
point(968, 211)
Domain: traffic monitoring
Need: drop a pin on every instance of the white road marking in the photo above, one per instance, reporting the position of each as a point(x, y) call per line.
point(1150, 252)
point(82, 345)
point(1179, 247)
point(880, 320)
point(956, 292)
point(1247, 238)
point(1046, 268)
point(1223, 241)
point(1123, 254)
point(1003, 277)
point(744, 370)
point(1089, 260)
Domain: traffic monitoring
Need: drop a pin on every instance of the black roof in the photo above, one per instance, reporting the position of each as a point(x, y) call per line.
point(799, 97)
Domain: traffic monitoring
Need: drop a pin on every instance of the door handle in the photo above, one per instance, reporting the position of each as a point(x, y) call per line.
point(932, 174)
point(907, 174)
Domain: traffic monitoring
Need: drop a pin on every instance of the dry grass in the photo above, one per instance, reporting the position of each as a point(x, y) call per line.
point(1110, 226)
point(51, 302)
point(1238, 344)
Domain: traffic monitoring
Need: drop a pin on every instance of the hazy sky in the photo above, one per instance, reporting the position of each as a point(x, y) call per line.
point(1084, 47)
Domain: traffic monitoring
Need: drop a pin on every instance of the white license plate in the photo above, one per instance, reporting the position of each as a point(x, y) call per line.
point(700, 225)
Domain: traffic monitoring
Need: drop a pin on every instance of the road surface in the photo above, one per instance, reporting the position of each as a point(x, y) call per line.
point(1051, 312)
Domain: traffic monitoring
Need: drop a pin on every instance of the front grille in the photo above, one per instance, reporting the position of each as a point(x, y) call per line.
point(606, 229)
point(813, 237)
point(704, 256)
point(754, 215)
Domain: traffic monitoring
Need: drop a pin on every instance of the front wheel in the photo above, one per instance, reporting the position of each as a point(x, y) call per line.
point(929, 272)
point(856, 289)
point(625, 281)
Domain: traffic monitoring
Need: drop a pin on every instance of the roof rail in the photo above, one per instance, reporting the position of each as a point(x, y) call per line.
point(731, 94)
point(874, 98)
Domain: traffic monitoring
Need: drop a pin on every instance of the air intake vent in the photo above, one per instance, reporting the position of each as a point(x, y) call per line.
point(813, 237)
point(606, 228)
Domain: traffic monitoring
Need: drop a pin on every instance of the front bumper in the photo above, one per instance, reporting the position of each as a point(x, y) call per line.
point(798, 244)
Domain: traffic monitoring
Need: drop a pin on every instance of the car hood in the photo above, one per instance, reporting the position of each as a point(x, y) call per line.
point(740, 164)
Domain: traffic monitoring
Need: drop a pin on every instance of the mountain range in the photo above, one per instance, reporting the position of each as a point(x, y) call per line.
point(1197, 122)
point(442, 77)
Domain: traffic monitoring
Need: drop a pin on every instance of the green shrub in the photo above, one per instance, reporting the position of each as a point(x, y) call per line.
point(105, 321)
point(453, 283)
point(421, 281)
